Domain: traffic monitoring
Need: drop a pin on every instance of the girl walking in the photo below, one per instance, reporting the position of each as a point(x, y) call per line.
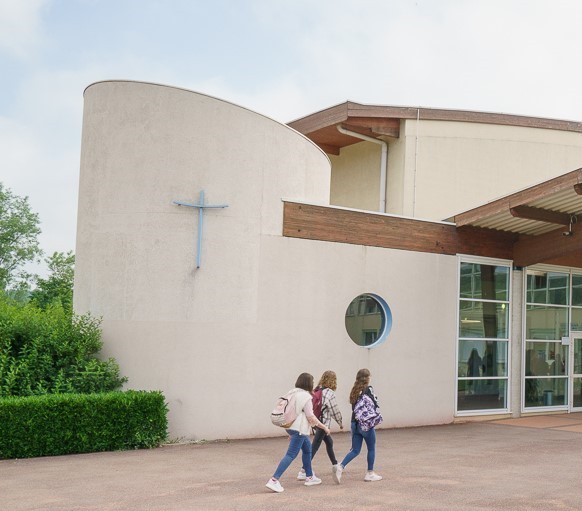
point(329, 408)
point(299, 434)
point(361, 386)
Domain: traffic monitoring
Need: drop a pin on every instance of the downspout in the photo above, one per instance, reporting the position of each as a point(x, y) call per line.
point(383, 162)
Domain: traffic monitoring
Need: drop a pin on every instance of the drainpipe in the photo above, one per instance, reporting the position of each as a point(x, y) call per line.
point(383, 162)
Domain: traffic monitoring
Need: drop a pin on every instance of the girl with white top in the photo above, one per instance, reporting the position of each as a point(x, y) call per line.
point(299, 434)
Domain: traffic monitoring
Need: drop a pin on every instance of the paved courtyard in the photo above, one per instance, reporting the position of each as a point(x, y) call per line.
point(521, 464)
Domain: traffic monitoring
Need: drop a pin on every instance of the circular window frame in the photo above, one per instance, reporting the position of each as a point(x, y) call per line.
point(386, 321)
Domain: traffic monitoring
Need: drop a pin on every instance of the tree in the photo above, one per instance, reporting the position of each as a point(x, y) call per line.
point(19, 230)
point(52, 351)
point(58, 287)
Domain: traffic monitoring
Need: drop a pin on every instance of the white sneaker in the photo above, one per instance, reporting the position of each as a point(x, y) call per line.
point(312, 481)
point(336, 473)
point(275, 485)
point(301, 476)
point(372, 476)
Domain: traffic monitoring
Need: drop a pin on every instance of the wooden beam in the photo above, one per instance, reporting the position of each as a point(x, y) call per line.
point(543, 215)
point(358, 129)
point(546, 247)
point(331, 224)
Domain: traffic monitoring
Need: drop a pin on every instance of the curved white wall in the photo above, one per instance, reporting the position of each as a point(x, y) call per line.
point(224, 341)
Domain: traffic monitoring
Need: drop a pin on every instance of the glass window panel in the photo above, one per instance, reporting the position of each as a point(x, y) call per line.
point(483, 319)
point(577, 290)
point(576, 319)
point(482, 358)
point(481, 395)
point(546, 322)
point(482, 281)
point(551, 288)
point(536, 287)
point(546, 392)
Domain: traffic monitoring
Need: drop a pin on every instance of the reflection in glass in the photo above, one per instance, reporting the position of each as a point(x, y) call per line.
point(482, 358)
point(545, 392)
point(546, 322)
point(365, 320)
point(546, 358)
point(577, 290)
point(481, 394)
point(483, 319)
point(577, 393)
point(577, 356)
point(548, 287)
point(484, 282)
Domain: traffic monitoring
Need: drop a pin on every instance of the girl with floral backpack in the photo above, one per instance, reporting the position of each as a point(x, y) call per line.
point(360, 389)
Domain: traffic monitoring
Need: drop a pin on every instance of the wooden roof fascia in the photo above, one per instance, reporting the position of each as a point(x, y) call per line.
point(328, 223)
point(442, 114)
point(571, 179)
point(323, 119)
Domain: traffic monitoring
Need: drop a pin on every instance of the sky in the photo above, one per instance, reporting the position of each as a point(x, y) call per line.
point(282, 58)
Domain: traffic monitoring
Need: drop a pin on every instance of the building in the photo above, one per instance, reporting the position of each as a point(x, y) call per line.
point(440, 249)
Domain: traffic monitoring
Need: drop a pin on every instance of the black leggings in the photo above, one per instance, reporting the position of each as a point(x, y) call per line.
point(319, 436)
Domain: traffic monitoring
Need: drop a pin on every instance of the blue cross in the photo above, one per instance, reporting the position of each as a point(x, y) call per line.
point(201, 207)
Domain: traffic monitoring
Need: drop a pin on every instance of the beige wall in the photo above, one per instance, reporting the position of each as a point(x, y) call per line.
point(355, 180)
point(222, 342)
point(440, 168)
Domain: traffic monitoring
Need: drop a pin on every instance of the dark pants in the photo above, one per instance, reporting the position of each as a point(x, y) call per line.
point(319, 436)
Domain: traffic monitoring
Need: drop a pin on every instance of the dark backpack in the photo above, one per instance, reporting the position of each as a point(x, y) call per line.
point(317, 400)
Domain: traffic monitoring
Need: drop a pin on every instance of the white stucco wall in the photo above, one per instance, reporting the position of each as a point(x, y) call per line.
point(222, 342)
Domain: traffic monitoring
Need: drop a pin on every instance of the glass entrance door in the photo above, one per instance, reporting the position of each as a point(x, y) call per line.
point(576, 372)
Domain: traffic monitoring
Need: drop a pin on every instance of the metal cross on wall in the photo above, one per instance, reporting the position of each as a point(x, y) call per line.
point(201, 207)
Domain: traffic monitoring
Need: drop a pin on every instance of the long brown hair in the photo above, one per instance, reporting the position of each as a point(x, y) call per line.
point(305, 382)
point(328, 380)
point(361, 383)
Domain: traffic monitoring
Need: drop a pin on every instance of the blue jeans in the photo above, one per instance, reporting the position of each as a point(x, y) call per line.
point(358, 436)
point(297, 442)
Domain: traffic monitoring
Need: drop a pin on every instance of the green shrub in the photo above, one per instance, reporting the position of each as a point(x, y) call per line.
point(51, 351)
point(57, 424)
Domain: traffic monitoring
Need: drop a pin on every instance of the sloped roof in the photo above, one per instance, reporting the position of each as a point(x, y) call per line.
point(384, 121)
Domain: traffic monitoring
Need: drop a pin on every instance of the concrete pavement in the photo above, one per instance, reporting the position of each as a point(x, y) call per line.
point(522, 464)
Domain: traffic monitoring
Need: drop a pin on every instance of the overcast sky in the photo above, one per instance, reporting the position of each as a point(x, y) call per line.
point(282, 58)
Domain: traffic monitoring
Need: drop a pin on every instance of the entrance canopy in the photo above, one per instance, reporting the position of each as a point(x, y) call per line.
point(546, 217)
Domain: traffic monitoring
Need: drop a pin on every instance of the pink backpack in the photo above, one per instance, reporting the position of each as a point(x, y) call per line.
point(285, 411)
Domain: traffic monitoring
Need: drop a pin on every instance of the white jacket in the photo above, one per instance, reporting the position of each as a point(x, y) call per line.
point(301, 424)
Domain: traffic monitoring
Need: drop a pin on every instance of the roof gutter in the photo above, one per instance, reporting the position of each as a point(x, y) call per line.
point(383, 162)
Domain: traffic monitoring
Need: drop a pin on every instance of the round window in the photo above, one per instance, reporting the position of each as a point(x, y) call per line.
point(368, 320)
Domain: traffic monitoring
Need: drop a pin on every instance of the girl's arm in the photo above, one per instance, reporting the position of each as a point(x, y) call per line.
point(334, 408)
point(316, 423)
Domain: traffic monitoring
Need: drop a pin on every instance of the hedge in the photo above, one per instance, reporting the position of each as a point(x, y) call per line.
point(55, 424)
